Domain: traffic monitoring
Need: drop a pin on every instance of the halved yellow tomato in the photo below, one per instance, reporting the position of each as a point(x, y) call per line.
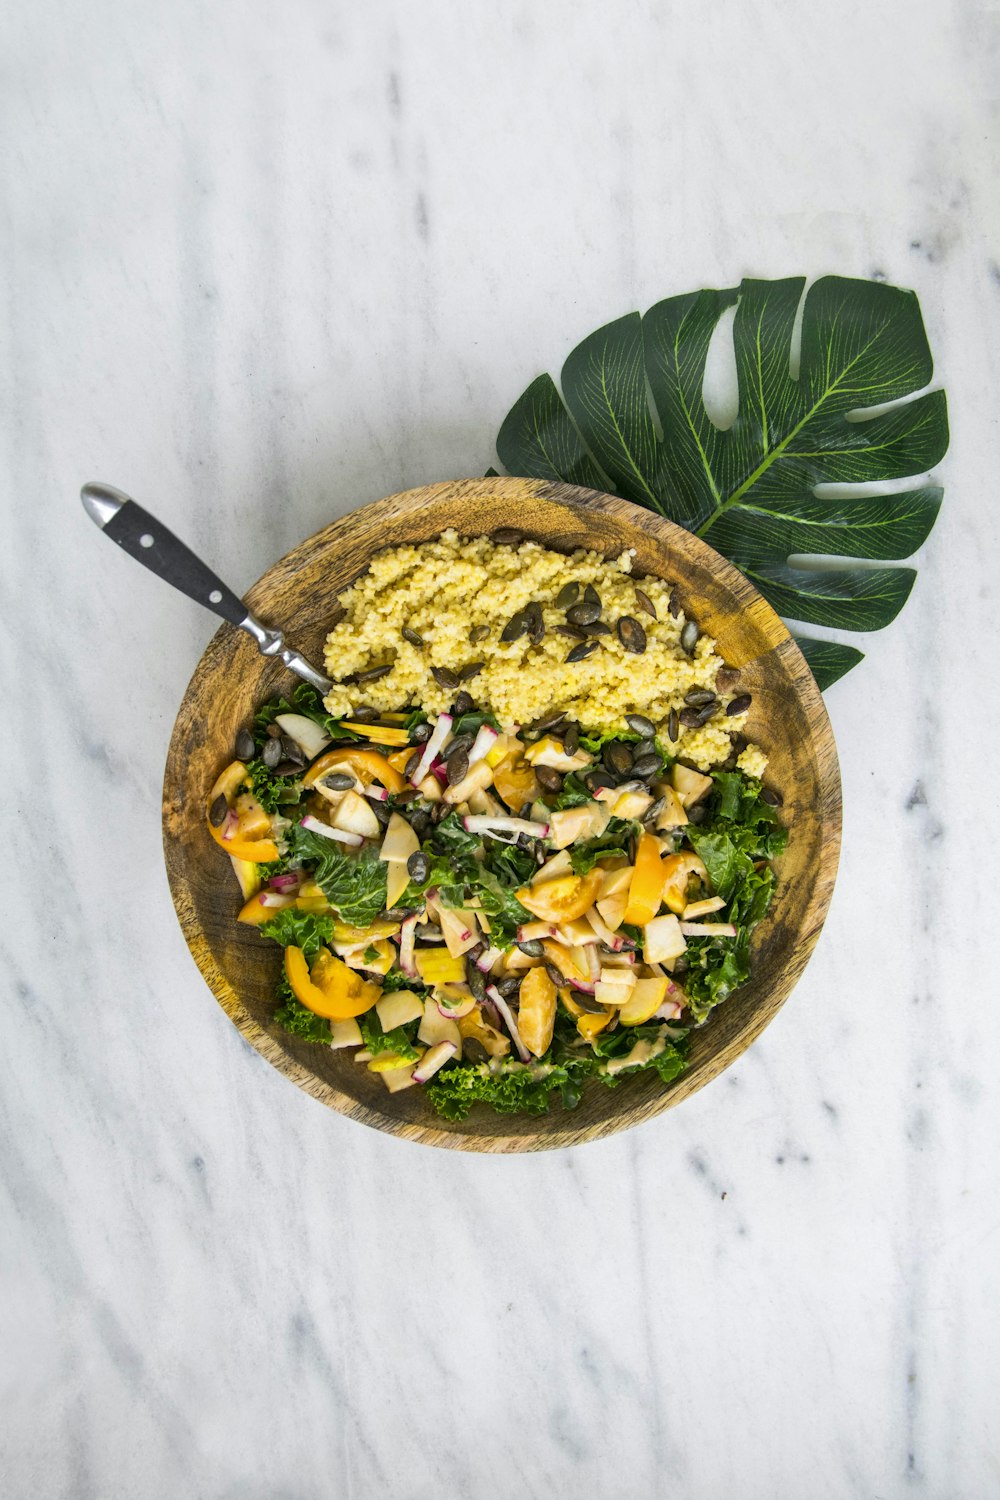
point(562, 899)
point(536, 1011)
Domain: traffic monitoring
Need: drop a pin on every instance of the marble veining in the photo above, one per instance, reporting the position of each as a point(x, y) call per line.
point(265, 263)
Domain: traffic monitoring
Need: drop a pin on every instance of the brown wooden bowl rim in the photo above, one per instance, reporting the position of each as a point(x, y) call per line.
point(556, 1130)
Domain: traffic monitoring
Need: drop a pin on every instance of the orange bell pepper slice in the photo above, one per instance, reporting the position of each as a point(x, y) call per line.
point(645, 891)
point(330, 989)
point(257, 910)
point(515, 781)
point(256, 851)
point(376, 766)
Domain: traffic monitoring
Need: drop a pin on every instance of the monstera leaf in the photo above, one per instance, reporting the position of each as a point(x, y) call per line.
point(786, 490)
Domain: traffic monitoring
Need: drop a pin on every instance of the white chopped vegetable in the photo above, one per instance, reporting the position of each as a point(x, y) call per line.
point(353, 815)
point(483, 743)
point(436, 743)
point(433, 1059)
point(339, 835)
point(310, 737)
point(398, 1008)
point(708, 929)
point(507, 829)
point(508, 1020)
point(345, 1034)
point(663, 939)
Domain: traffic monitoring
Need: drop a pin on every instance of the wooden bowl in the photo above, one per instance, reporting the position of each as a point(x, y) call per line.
point(787, 719)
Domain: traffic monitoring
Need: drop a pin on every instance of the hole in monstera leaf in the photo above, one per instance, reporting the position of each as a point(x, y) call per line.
point(720, 390)
point(795, 351)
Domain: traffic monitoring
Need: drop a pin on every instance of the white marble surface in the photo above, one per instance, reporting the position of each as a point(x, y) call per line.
point(262, 263)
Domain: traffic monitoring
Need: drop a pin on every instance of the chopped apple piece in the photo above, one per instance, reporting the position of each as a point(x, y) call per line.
point(397, 879)
point(460, 929)
point(615, 882)
point(433, 1059)
point(310, 737)
point(548, 751)
point(354, 815)
point(398, 1008)
point(436, 1028)
point(560, 864)
point(345, 1034)
point(690, 786)
point(631, 804)
point(663, 939)
point(697, 909)
point(568, 824)
point(612, 910)
point(644, 1001)
point(400, 840)
point(672, 814)
point(479, 778)
point(399, 1078)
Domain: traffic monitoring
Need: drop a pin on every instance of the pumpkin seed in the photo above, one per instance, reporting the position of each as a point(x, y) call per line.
point(698, 697)
point(598, 779)
point(591, 596)
point(515, 626)
point(651, 814)
point(536, 623)
point(292, 750)
point(697, 814)
point(287, 768)
point(412, 636)
point(549, 778)
point(645, 766)
point(631, 634)
point(271, 753)
point(382, 813)
point(373, 674)
point(645, 602)
point(532, 947)
point(365, 715)
point(473, 1050)
point(572, 631)
point(739, 705)
point(581, 652)
point(508, 986)
point(476, 980)
point(689, 636)
point(726, 678)
point(472, 670)
point(673, 722)
point(217, 812)
point(245, 746)
point(420, 733)
point(771, 797)
point(617, 757)
point(340, 781)
point(547, 721)
point(418, 866)
point(639, 724)
point(463, 702)
point(598, 628)
point(274, 731)
point(440, 811)
point(460, 742)
point(674, 604)
point(478, 633)
point(408, 794)
point(584, 613)
point(587, 1002)
point(571, 739)
point(567, 595)
point(694, 718)
point(421, 824)
point(411, 765)
point(739, 742)
point(445, 677)
point(556, 975)
point(458, 767)
point(508, 536)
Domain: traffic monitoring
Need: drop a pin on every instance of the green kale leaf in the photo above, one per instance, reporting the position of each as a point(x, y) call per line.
point(292, 928)
point(354, 883)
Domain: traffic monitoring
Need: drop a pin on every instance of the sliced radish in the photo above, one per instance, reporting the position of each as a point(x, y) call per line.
point(436, 743)
point(488, 959)
point(708, 929)
point(455, 1009)
point(508, 1019)
point(274, 898)
point(339, 835)
point(507, 829)
point(601, 930)
point(670, 1010)
point(376, 793)
point(407, 935)
point(287, 882)
point(434, 1058)
point(529, 930)
point(483, 743)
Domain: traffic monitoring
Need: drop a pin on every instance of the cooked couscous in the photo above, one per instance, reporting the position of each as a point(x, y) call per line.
point(455, 599)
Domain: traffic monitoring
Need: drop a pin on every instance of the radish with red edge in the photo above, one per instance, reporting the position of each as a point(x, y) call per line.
point(454, 1010)
point(436, 743)
point(601, 930)
point(483, 743)
point(287, 882)
point(376, 793)
point(339, 835)
point(488, 959)
point(433, 1059)
point(508, 1020)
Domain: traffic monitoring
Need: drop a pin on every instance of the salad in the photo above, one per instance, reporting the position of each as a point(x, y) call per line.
point(495, 914)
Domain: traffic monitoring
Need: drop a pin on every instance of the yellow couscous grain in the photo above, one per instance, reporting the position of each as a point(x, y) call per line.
point(448, 591)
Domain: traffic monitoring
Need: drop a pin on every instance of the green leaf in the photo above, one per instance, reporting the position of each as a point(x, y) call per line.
point(851, 416)
point(292, 928)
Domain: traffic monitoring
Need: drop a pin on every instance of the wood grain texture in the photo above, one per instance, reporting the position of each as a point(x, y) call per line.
point(787, 719)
